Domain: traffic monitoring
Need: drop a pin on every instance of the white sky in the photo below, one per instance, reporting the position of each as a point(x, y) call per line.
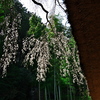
point(48, 4)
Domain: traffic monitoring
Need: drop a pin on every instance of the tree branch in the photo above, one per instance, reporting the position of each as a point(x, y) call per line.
point(61, 6)
point(44, 11)
point(41, 6)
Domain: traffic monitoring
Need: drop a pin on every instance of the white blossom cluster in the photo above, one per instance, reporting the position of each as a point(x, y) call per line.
point(34, 49)
point(39, 51)
point(4, 26)
point(76, 69)
point(60, 44)
point(10, 46)
point(63, 52)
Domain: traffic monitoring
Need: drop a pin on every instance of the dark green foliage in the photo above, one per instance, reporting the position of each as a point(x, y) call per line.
point(16, 85)
point(36, 27)
point(25, 15)
point(5, 7)
point(58, 24)
point(1, 13)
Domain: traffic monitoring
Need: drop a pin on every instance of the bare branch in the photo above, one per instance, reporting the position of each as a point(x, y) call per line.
point(44, 11)
point(61, 6)
point(41, 6)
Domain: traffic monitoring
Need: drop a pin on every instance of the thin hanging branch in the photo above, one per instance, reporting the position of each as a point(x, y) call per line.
point(41, 6)
point(61, 6)
point(45, 12)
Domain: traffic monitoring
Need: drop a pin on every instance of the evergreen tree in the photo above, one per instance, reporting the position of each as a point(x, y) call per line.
point(37, 28)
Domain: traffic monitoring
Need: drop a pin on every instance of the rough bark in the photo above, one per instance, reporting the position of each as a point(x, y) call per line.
point(84, 16)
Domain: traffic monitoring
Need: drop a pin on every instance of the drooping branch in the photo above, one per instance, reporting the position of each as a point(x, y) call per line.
point(39, 51)
point(44, 11)
point(10, 47)
point(61, 6)
point(41, 6)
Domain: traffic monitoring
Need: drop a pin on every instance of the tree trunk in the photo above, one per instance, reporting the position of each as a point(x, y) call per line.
point(84, 16)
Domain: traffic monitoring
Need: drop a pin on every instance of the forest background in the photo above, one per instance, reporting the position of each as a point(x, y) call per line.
point(38, 61)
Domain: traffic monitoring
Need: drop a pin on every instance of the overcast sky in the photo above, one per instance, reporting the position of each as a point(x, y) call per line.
point(48, 4)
